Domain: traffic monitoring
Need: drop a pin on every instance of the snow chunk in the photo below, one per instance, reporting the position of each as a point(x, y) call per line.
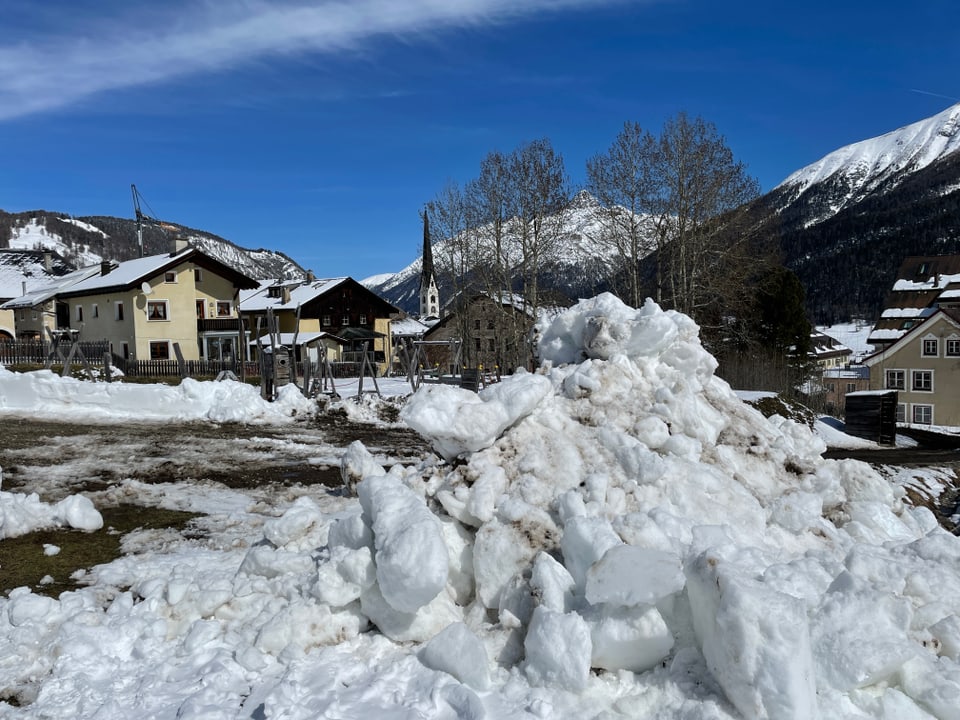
point(458, 422)
point(456, 650)
point(628, 575)
point(411, 555)
point(755, 640)
point(558, 649)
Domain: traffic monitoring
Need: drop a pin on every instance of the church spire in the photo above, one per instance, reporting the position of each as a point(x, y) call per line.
point(429, 296)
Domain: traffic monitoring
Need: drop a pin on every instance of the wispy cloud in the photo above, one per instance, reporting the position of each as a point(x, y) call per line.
point(934, 94)
point(63, 67)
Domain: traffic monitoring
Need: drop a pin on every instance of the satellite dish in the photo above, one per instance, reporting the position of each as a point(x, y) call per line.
point(145, 286)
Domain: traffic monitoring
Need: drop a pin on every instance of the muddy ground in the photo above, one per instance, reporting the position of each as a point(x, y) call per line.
point(232, 454)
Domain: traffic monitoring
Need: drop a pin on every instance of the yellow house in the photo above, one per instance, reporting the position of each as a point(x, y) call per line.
point(145, 307)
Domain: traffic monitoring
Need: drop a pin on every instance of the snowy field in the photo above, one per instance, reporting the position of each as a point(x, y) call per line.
point(615, 535)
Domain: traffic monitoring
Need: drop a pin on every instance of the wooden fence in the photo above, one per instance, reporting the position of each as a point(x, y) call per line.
point(29, 352)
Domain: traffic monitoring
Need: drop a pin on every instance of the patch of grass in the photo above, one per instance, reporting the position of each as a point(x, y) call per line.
point(23, 562)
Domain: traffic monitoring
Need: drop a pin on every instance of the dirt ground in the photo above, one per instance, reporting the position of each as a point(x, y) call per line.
point(233, 454)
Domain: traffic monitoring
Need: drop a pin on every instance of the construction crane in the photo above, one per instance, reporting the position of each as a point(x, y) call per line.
point(143, 218)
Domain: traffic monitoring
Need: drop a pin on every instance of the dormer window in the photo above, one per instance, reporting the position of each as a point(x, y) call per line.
point(275, 292)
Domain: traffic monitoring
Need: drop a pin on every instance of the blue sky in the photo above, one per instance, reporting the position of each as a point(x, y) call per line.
point(321, 128)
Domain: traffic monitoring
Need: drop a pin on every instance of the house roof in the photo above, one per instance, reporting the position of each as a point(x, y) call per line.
point(92, 280)
point(258, 299)
point(922, 283)
point(824, 346)
point(408, 327)
point(952, 315)
point(301, 338)
point(28, 267)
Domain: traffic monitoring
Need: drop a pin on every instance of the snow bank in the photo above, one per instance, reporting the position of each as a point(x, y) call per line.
point(47, 395)
point(615, 535)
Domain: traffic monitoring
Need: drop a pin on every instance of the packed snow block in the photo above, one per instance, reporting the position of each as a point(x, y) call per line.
point(934, 684)
point(755, 640)
point(558, 650)
point(500, 552)
point(458, 422)
point(458, 651)
point(628, 576)
point(301, 527)
point(417, 626)
point(947, 632)
point(859, 636)
point(357, 463)
point(350, 531)
point(584, 541)
point(344, 575)
point(552, 583)
point(634, 638)
point(410, 551)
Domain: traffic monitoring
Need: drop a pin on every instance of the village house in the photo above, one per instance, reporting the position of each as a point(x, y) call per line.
point(20, 272)
point(828, 352)
point(839, 382)
point(143, 308)
point(339, 313)
point(923, 365)
point(494, 332)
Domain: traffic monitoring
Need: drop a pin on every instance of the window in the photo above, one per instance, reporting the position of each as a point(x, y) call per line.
point(830, 387)
point(953, 347)
point(896, 380)
point(362, 320)
point(197, 275)
point(490, 324)
point(477, 343)
point(201, 309)
point(118, 311)
point(125, 350)
point(170, 276)
point(326, 320)
point(930, 348)
point(922, 380)
point(159, 350)
point(157, 310)
point(79, 313)
point(851, 387)
point(901, 412)
point(476, 324)
point(33, 315)
point(95, 310)
point(223, 308)
point(345, 320)
point(923, 414)
point(23, 315)
point(491, 344)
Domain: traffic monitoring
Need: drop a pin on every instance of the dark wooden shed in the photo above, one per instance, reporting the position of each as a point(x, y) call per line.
point(872, 415)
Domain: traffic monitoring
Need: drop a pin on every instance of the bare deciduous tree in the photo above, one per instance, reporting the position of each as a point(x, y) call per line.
point(621, 180)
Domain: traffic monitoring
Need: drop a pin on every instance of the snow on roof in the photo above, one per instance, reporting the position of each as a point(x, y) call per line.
point(19, 267)
point(129, 272)
point(407, 326)
point(304, 338)
point(898, 312)
point(932, 283)
point(260, 299)
point(42, 293)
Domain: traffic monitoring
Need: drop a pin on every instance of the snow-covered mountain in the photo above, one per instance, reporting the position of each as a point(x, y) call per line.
point(88, 240)
point(846, 222)
point(578, 265)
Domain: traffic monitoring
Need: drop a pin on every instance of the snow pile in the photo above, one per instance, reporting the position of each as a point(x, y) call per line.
point(45, 394)
point(615, 535)
point(21, 514)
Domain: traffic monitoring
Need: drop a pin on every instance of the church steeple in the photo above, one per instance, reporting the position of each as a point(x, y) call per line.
point(429, 296)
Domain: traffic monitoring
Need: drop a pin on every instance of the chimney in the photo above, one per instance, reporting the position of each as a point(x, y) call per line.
point(48, 261)
point(105, 267)
point(180, 244)
point(286, 294)
point(23, 287)
point(310, 276)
